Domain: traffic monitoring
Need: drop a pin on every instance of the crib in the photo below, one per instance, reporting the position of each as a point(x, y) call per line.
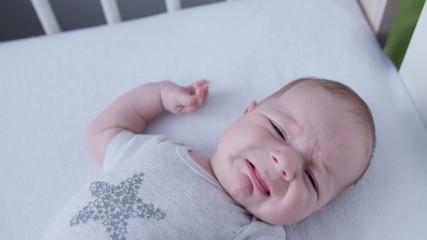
point(379, 14)
point(53, 86)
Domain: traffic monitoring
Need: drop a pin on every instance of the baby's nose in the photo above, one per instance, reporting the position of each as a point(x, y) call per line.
point(287, 163)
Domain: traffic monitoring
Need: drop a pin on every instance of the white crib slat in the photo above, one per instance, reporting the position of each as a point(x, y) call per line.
point(380, 14)
point(46, 16)
point(173, 5)
point(111, 11)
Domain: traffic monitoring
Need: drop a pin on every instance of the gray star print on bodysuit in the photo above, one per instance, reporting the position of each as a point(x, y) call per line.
point(115, 204)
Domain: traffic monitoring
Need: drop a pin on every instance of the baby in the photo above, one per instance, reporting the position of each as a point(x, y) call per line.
point(286, 158)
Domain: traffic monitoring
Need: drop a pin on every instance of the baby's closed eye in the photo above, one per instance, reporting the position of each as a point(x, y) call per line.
point(312, 179)
point(278, 130)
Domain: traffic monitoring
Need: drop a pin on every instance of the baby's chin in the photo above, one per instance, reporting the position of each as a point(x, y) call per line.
point(278, 221)
point(272, 216)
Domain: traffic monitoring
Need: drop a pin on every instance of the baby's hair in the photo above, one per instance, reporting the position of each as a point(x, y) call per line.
point(358, 107)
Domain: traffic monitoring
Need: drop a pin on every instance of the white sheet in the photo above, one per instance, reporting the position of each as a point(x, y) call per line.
point(52, 87)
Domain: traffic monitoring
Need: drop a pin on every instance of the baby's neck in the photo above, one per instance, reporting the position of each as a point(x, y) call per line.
point(202, 161)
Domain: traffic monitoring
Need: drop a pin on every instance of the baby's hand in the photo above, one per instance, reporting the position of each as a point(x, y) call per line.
point(182, 100)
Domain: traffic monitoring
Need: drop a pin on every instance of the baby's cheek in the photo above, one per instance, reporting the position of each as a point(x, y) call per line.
point(301, 205)
point(293, 207)
point(240, 189)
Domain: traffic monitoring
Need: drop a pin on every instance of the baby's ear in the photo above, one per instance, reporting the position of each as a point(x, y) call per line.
point(251, 106)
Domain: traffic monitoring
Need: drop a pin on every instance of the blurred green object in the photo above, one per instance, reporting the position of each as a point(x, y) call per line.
point(408, 12)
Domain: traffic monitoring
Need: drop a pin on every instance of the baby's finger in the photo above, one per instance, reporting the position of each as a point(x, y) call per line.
point(188, 109)
point(200, 83)
point(188, 103)
point(201, 88)
point(192, 89)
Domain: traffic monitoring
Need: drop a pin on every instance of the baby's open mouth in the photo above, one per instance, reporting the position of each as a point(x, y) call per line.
point(256, 179)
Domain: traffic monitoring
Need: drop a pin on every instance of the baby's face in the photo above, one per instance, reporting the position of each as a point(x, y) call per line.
point(289, 156)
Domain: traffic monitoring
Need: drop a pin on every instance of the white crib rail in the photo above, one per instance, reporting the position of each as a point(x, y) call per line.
point(46, 16)
point(173, 5)
point(111, 11)
point(109, 7)
point(379, 14)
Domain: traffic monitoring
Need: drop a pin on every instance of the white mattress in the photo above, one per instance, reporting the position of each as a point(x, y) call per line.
point(52, 87)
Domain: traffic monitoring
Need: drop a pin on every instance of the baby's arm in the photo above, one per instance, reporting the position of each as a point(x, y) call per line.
point(135, 109)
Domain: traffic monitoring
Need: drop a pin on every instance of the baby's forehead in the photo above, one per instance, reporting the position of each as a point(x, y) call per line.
point(299, 91)
point(306, 94)
point(345, 100)
point(342, 96)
